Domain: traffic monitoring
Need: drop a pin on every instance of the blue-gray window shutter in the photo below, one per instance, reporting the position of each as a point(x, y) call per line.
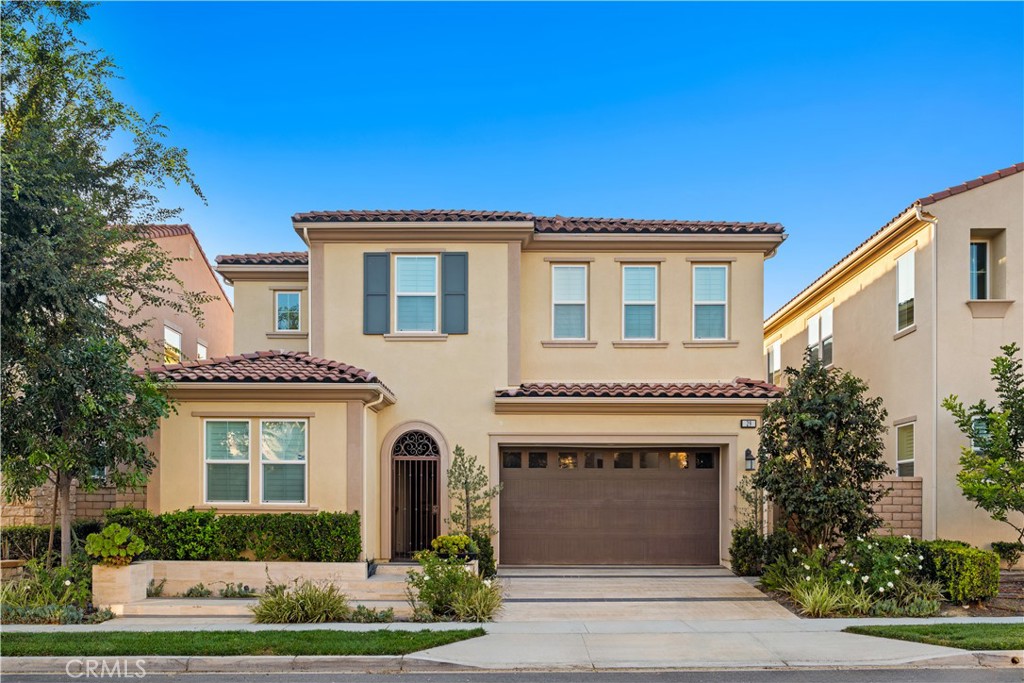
point(376, 293)
point(455, 292)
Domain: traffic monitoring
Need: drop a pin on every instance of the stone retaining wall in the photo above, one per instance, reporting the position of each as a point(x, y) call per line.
point(84, 505)
point(900, 510)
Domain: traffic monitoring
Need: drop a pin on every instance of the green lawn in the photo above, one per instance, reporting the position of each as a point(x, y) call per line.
point(224, 643)
point(963, 636)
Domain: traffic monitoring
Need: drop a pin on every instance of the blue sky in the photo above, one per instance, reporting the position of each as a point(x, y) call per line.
point(827, 118)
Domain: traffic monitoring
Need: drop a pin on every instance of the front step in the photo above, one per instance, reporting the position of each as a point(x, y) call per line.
point(395, 569)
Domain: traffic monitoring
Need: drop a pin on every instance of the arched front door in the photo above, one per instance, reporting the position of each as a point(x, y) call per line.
point(415, 459)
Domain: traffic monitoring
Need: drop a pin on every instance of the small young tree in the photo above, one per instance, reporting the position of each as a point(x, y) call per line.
point(470, 494)
point(821, 450)
point(992, 467)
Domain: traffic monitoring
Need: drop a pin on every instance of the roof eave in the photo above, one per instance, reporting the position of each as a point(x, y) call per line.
point(618, 405)
point(256, 271)
point(413, 231)
point(766, 243)
point(370, 393)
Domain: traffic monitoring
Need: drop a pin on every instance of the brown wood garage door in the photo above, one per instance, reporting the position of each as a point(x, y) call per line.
point(591, 506)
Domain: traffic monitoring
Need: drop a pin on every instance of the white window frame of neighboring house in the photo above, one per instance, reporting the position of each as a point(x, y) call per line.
point(912, 426)
point(170, 332)
point(907, 262)
point(571, 302)
point(724, 302)
point(774, 360)
point(988, 270)
point(653, 302)
point(974, 425)
point(816, 334)
point(277, 309)
point(303, 463)
point(437, 299)
point(247, 463)
point(202, 351)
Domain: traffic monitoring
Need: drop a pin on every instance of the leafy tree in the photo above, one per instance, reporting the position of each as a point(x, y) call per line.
point(992, 468)
point(821, 450)
point(76, 269)
point(470, 494)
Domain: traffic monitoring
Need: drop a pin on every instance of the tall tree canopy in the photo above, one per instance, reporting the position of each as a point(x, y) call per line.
point(76, 265)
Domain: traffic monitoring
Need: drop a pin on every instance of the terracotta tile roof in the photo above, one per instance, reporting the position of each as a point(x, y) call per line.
point(265, 367)
point(971, 184)
point(410, 216)
point(156, 231)
point(741, 387)
point(273, 258)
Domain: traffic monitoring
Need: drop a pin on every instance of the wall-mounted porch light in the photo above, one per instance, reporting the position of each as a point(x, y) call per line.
point(748, 459)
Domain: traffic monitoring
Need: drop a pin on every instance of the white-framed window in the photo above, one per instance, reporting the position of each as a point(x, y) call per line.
point(226, 458)
point(774, 371)
point(980, 426)
point(640, 302)
point(283, 445)
point(172, 345)
point(905, 291)
point(286, 311)
point(202, 353)
point(416, 293)
point(569, 302)
point(905, 450)
point(819, 335)
point(979, 269)
point(710, 302)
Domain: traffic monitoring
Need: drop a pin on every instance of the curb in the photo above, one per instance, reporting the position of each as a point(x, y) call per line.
point(137, 666)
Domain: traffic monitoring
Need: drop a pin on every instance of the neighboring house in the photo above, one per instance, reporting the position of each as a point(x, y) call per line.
point(596, 367)
point(173, 335)
point(919, 311)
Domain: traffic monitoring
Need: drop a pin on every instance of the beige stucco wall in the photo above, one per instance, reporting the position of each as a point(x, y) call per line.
point(949, 352)
point(254, 328)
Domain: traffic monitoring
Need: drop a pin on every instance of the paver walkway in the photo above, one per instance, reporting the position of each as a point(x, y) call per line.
point(632, 594)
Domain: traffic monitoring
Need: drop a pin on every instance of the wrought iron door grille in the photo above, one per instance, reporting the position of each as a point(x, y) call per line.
point(415, 461)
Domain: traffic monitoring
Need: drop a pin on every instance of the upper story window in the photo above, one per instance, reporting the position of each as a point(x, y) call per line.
point(979, 270)
point(201, 351)
point(172, 345)
point(905, 450)
point(286, 311)
point(569, 302)
point(416, 294)
point(774, 374)
point(905, 291)
point(819, 335)
point(283, 461)
point(226, 456)
point(639, 302)
point(710, 302)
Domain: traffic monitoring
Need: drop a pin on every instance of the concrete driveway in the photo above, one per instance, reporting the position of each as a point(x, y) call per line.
point(632, 594)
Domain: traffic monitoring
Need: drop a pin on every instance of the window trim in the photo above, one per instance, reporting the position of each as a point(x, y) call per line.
point(909, 256)
point(816, 323)
point(437, 296)
point(248, 464)
point(913, 440)
point(304, 463)
point(178, 348)
point(694, 303)
point(205, 351)
point(654, 302)
point(774, 360)
point(585, 302)
point(277, 309)
point(988, 270)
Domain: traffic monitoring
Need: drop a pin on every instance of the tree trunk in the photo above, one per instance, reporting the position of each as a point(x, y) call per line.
point(64, 484)
point(53, 526)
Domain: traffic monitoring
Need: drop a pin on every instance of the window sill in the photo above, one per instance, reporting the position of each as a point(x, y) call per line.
point(568, 344)
point(415, 336)
point(241, 509)
point(989, 308)
point(287, 335)
point(640, 344)
point(711, 344)
point(905, 332)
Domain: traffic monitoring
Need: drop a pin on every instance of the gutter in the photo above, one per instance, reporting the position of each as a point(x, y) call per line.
point(933, 485)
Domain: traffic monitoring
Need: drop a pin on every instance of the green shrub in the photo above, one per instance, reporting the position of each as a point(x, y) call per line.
point(52, 614)
point(488, 568)
point(477, 601)
point(236, 590)
point(42, 587)
point(371, 615)
point(304, 603)
point(115, 546)
point(452, 545)
point(30, 541)
point(817, 598)
point(197, 591)
point(154, 589)
point(966, 574)
point(747, 551)
point(432, 591)
point(1008, 552)
point(778, 545)
point(188, 535)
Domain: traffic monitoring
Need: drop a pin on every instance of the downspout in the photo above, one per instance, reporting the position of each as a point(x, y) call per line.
point(309, 289)
point(366, 531)
point(933, 485)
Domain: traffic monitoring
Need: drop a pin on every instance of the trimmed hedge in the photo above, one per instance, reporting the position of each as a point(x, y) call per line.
point(750, 552)
point(203, 535)
point(967, 574)
point(29, 541)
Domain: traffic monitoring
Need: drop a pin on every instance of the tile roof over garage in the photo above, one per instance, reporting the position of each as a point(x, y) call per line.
point(265, 367)
point(740, 387)
point(272, 258)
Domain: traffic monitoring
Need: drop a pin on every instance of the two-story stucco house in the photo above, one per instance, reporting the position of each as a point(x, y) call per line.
point(597, 367)
point(918, 311)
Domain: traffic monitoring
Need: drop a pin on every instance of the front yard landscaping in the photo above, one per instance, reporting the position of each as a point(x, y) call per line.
point(964, 636)
point(227, 643)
